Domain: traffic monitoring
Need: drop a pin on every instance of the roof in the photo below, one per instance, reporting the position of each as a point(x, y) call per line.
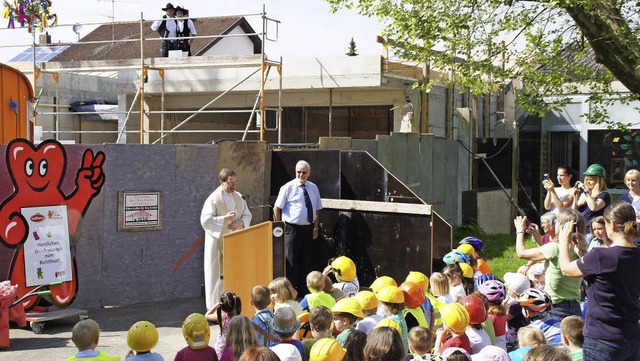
point(208, 26)
point(43, 54)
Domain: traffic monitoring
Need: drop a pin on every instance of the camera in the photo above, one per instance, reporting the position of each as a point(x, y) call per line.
point(546, 177)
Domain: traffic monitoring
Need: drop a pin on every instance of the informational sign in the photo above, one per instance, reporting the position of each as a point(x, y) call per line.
point(47, 254)
point(140, 211)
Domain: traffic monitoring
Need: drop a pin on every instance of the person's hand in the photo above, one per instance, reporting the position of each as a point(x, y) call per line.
point(566, 231)
point(549, 186)
point(327, 270)
point(315, 233)
point(533, 229)
point(229, 216)
point(236, 225)
point(520, 223)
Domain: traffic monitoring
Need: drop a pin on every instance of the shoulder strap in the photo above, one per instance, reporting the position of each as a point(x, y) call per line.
point(267, 336)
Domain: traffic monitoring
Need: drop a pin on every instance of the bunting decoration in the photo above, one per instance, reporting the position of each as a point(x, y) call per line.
point(30, 13)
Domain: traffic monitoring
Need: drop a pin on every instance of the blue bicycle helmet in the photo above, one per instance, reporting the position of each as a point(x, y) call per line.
point(477, 244)
point(482, 279)
point(455, 256)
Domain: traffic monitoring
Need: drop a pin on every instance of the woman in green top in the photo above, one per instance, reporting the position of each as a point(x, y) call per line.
point(564, 292)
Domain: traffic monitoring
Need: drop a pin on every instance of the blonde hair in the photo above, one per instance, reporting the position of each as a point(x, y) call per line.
point(600, 186)
point(240, 335)
point(315, 281)
point(632, 173)
point(530, 336)
point(439, 284)
point(283, 289)
point(420, 339)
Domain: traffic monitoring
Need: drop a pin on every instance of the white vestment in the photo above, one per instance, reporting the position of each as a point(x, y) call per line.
point(212, 219)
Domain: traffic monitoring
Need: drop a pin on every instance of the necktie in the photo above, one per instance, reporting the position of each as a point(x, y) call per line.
point(307, 203)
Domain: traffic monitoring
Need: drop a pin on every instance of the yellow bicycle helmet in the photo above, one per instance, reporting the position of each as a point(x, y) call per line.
point(142, 336)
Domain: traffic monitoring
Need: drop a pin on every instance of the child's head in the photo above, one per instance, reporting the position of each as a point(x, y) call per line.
point(531, 337)
point(384, 344)
point(413, 295)
point(495, 292)
point(240, 335)
point(327, 349)
point(535, 303)
point(258, 354)
point(195, 329)
point(453, 273)
point(315, 281)
point(321, 321)
point(418, 278)
point(476, 243)
point(546, 353)
point(142, 337)
point(455, 354)
point(516, 283)
point(368, 301)
point(345, 313)
point(420, 340)
point(381, 282)
point(328, 285)
point(85, 334)
point(454, 317)
point(355, 345)
point(597, 228)
point(230, 304)
point(439, 284)
point(260, 297)
point(284, 322)
point(344, 269)
point(392, 299)
point(282, 290)
point(467, 249)
point(571, 328)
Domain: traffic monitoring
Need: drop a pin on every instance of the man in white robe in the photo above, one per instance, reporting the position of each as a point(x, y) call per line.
point(223, 212)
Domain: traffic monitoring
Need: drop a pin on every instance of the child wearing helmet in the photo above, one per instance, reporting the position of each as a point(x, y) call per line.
point(455, 321)
point(317, 297)
point(454, 275)
point(391, 305)
point(195, 330)
point(85, 335)
point(344, 270)
point(516, 284)
point(369, 303)
point(478, 246)
point(345, 314)
point(413, 299)
point(591, 197)
point(478, 337)
point(141, 338)
point(430, 304)
point(495, 293)
point(535, 306)
point(326, 349)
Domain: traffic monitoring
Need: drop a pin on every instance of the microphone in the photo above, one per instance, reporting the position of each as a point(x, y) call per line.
point(246, 198)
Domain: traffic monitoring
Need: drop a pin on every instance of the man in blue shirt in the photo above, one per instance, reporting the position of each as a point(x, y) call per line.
point(298, 205)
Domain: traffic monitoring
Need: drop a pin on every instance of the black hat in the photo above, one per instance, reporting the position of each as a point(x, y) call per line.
point(169, 6)
point(180, 8)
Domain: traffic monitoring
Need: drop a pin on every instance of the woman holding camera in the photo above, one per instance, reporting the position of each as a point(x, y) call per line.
point(559, 197)
point(591, 197)
point(564, 291)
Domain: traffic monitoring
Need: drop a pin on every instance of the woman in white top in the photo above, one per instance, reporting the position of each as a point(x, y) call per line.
point(632, 180)
point(559, 197)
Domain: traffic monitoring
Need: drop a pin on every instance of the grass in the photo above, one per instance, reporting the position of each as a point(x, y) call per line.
point(499, 250)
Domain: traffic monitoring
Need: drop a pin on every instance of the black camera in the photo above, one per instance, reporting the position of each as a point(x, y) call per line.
point(546, 177)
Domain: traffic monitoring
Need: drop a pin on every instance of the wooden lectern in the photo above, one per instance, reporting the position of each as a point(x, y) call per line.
point(253, 256)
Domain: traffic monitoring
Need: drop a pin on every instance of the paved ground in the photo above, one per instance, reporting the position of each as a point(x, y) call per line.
point(54, 343)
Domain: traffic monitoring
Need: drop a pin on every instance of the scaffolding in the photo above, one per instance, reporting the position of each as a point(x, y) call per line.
point(258, 64)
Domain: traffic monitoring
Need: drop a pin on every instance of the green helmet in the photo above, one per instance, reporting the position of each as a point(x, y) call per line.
point(595, 169)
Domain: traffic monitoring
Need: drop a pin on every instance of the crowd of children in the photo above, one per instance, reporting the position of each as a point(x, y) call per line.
point(462, 313)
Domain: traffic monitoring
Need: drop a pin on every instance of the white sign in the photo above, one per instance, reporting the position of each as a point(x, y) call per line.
point(47, 255)
point(141, 209)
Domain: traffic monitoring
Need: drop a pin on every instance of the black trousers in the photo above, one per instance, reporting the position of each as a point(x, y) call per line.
point(299, 255)
point(166, 46)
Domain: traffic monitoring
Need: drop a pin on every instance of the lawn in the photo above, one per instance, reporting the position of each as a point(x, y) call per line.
point(499, 250)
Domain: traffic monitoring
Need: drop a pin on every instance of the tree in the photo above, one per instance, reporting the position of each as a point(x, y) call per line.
point(555, 46)
point(352, 48)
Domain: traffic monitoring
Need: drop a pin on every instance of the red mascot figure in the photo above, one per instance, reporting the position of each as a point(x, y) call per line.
point(37, 174)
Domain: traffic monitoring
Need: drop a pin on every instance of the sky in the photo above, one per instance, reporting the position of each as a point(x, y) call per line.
point(307, 28)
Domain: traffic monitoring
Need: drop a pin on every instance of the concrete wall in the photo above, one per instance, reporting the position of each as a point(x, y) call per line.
point(494, 212)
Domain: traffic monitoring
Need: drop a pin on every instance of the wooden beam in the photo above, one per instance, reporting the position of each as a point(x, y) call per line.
point(383, 207)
